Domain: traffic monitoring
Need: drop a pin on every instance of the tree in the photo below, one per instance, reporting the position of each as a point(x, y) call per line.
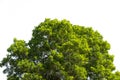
point(59, 50)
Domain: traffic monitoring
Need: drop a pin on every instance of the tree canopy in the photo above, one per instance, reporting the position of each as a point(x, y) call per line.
point(59, 50)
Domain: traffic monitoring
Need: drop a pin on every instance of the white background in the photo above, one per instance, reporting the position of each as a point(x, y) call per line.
point(18, 18)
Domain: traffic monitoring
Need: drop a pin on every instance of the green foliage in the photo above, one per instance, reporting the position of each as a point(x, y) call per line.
point(116, 75)
point(59, 50)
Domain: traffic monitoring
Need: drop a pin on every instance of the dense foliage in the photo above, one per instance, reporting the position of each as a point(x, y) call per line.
point(59, 50)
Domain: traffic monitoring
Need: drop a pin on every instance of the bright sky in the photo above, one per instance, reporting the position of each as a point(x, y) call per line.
point(18, 18)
